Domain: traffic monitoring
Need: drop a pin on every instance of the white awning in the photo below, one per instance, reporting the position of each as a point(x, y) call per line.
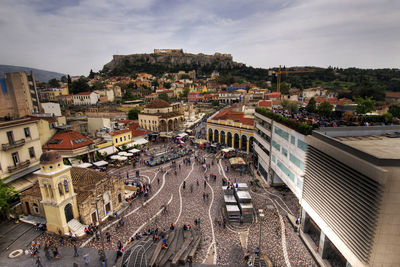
point(100, 163)
point(134, 150)
point(85, 165)
point(226, 150)
point(114, 157)
point(183, 134)
point(122, 158)
point(140, 141)
point(108, 150)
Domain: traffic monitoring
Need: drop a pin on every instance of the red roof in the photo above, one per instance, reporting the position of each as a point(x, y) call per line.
point(323, 99)
point(67, 140)
point(84, 93)
point(126, 121)
point(274, 95)
point(236, 116)
point(133, 126)
point(139, 132)
point(265, 103)
point(119, 132)
point(393, 94)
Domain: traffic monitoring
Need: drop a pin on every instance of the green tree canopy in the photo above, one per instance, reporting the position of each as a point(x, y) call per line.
point(312, 105)
point(364, 105)
point(98, 85)
point(91, 74)
point(395, 110)
point(167, 85)
point(7, 194)
point(133, 114)
point(185, 93)
point(215, 103)
point(325, 109)
point(154, 83)
point(64, 79)
point(164, 96)
point(79, 86)
point(53, 83)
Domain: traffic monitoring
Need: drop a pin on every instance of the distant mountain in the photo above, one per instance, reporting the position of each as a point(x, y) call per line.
point(40, 75)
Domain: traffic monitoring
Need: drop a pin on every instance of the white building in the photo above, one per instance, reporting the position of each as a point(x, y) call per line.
point(86, 99)
point(51, 108)
point(281, 153)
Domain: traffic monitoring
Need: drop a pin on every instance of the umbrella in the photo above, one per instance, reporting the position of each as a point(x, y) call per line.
point(122, 158)
point(128, 154)
point(115, 157)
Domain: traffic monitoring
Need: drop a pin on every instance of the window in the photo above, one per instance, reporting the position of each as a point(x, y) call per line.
point(276, 145)
point(120, 139)
point(296, 161)
point(10, 137)
point(66, 186)
point(27, 132)
point(116, 140)
point(284, 152)
point(299, 183)
point(119, 198)
point(282, 133)
point(286, 171)
point(15, 158)
point(35, 208)
point(293, 140)
point(60, 189)
point(302, 145)
point(32, 152)
point(273, 159)
point(124, 138)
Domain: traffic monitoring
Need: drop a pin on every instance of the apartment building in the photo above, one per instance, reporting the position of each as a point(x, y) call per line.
point(20, 151)
point(85, 99)
point(350, 201)
point(281, 153)
point(18, 95)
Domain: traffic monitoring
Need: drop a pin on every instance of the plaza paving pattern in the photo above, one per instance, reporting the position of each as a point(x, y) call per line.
point(186, 206)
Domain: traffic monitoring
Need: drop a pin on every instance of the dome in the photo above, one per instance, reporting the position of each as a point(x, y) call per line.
point(158, 103)
point(50, 157)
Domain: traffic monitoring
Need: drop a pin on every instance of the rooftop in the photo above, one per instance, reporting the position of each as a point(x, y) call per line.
point(158, 103)
point(119, 132)
point(67, 140)
point(232, 114)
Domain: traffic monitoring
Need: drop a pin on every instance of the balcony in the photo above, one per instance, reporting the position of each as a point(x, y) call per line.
point(12, 145)
point(19, 166)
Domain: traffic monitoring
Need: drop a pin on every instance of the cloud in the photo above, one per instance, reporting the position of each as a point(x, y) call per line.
point(76, 36)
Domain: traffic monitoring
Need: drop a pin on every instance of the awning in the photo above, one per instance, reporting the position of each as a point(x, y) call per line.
point(23, 183)
point(200, 141)
point(114, 157)
point(108, 150)
point(140, 141)
point(21, 174)
point(84, 165)
point(100, 163)
point(134, 150)
point(183, 134)
point(237, 161)
point(122, 158)
point(226, 150)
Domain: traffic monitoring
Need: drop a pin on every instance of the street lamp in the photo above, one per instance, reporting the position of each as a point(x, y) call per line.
point(101, 232)
point(261, 217)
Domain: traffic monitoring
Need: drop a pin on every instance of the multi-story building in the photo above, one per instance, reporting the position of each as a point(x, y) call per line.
point(350, 201)
point(161, 116)
point(20, 151)
point(229, 98)
point(85, 99)
point(18, 95)
point(281, 153)
point(231, 127)
point(51, 108)
point(51, 94)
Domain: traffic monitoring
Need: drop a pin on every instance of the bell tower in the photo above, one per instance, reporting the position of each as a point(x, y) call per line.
point(58, 196)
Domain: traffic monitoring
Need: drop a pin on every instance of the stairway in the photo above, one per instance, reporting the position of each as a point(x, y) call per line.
point(259, 262)
point(76, 227)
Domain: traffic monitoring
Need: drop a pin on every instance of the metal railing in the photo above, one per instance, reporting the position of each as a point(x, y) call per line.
point(12, 145)
point(19, 166)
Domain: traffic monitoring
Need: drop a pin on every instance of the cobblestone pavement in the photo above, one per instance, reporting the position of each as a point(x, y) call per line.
point(186, 206)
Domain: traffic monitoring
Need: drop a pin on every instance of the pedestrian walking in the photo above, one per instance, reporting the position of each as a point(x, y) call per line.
point(38, 261)
point(198, 223)
point(191, 188)
point(86, 258)
point(205, 184)
point(197, 181)
point(76, 251)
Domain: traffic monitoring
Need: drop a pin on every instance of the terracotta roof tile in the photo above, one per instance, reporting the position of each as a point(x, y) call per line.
point(231, 114)
point(67, 140)
point(158, 103)
point(119, 132)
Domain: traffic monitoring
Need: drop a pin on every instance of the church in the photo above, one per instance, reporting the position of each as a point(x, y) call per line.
point(66, 196)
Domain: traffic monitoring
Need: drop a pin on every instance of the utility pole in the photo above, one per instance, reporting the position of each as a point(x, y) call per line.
point(101, 231)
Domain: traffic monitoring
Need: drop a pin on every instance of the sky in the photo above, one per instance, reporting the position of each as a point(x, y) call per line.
point(74, 36)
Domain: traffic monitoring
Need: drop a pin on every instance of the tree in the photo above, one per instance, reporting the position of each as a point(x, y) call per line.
point(364, 105)
point(164, 96)
point(285, 104)
point(293, 107)
point(64, 79)
point(53, 83)
point(69, 79)
point(133, 114)
point(215, 103)
point(185, 93)
point(91, 74)
point(7, 194)
point(312, 105)
point(167, 85)
point(325, 109)
point(154, 83)
point(395, 110)
point(98, 85)
point(79, 86)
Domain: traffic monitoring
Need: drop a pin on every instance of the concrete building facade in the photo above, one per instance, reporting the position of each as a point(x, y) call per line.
point(350, 199)
point(160, 116)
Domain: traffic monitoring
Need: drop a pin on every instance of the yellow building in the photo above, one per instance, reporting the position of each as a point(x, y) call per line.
point(160, 116)
point(121, 137)
point(232, 128)
point(69, 198)
point(20, 151)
